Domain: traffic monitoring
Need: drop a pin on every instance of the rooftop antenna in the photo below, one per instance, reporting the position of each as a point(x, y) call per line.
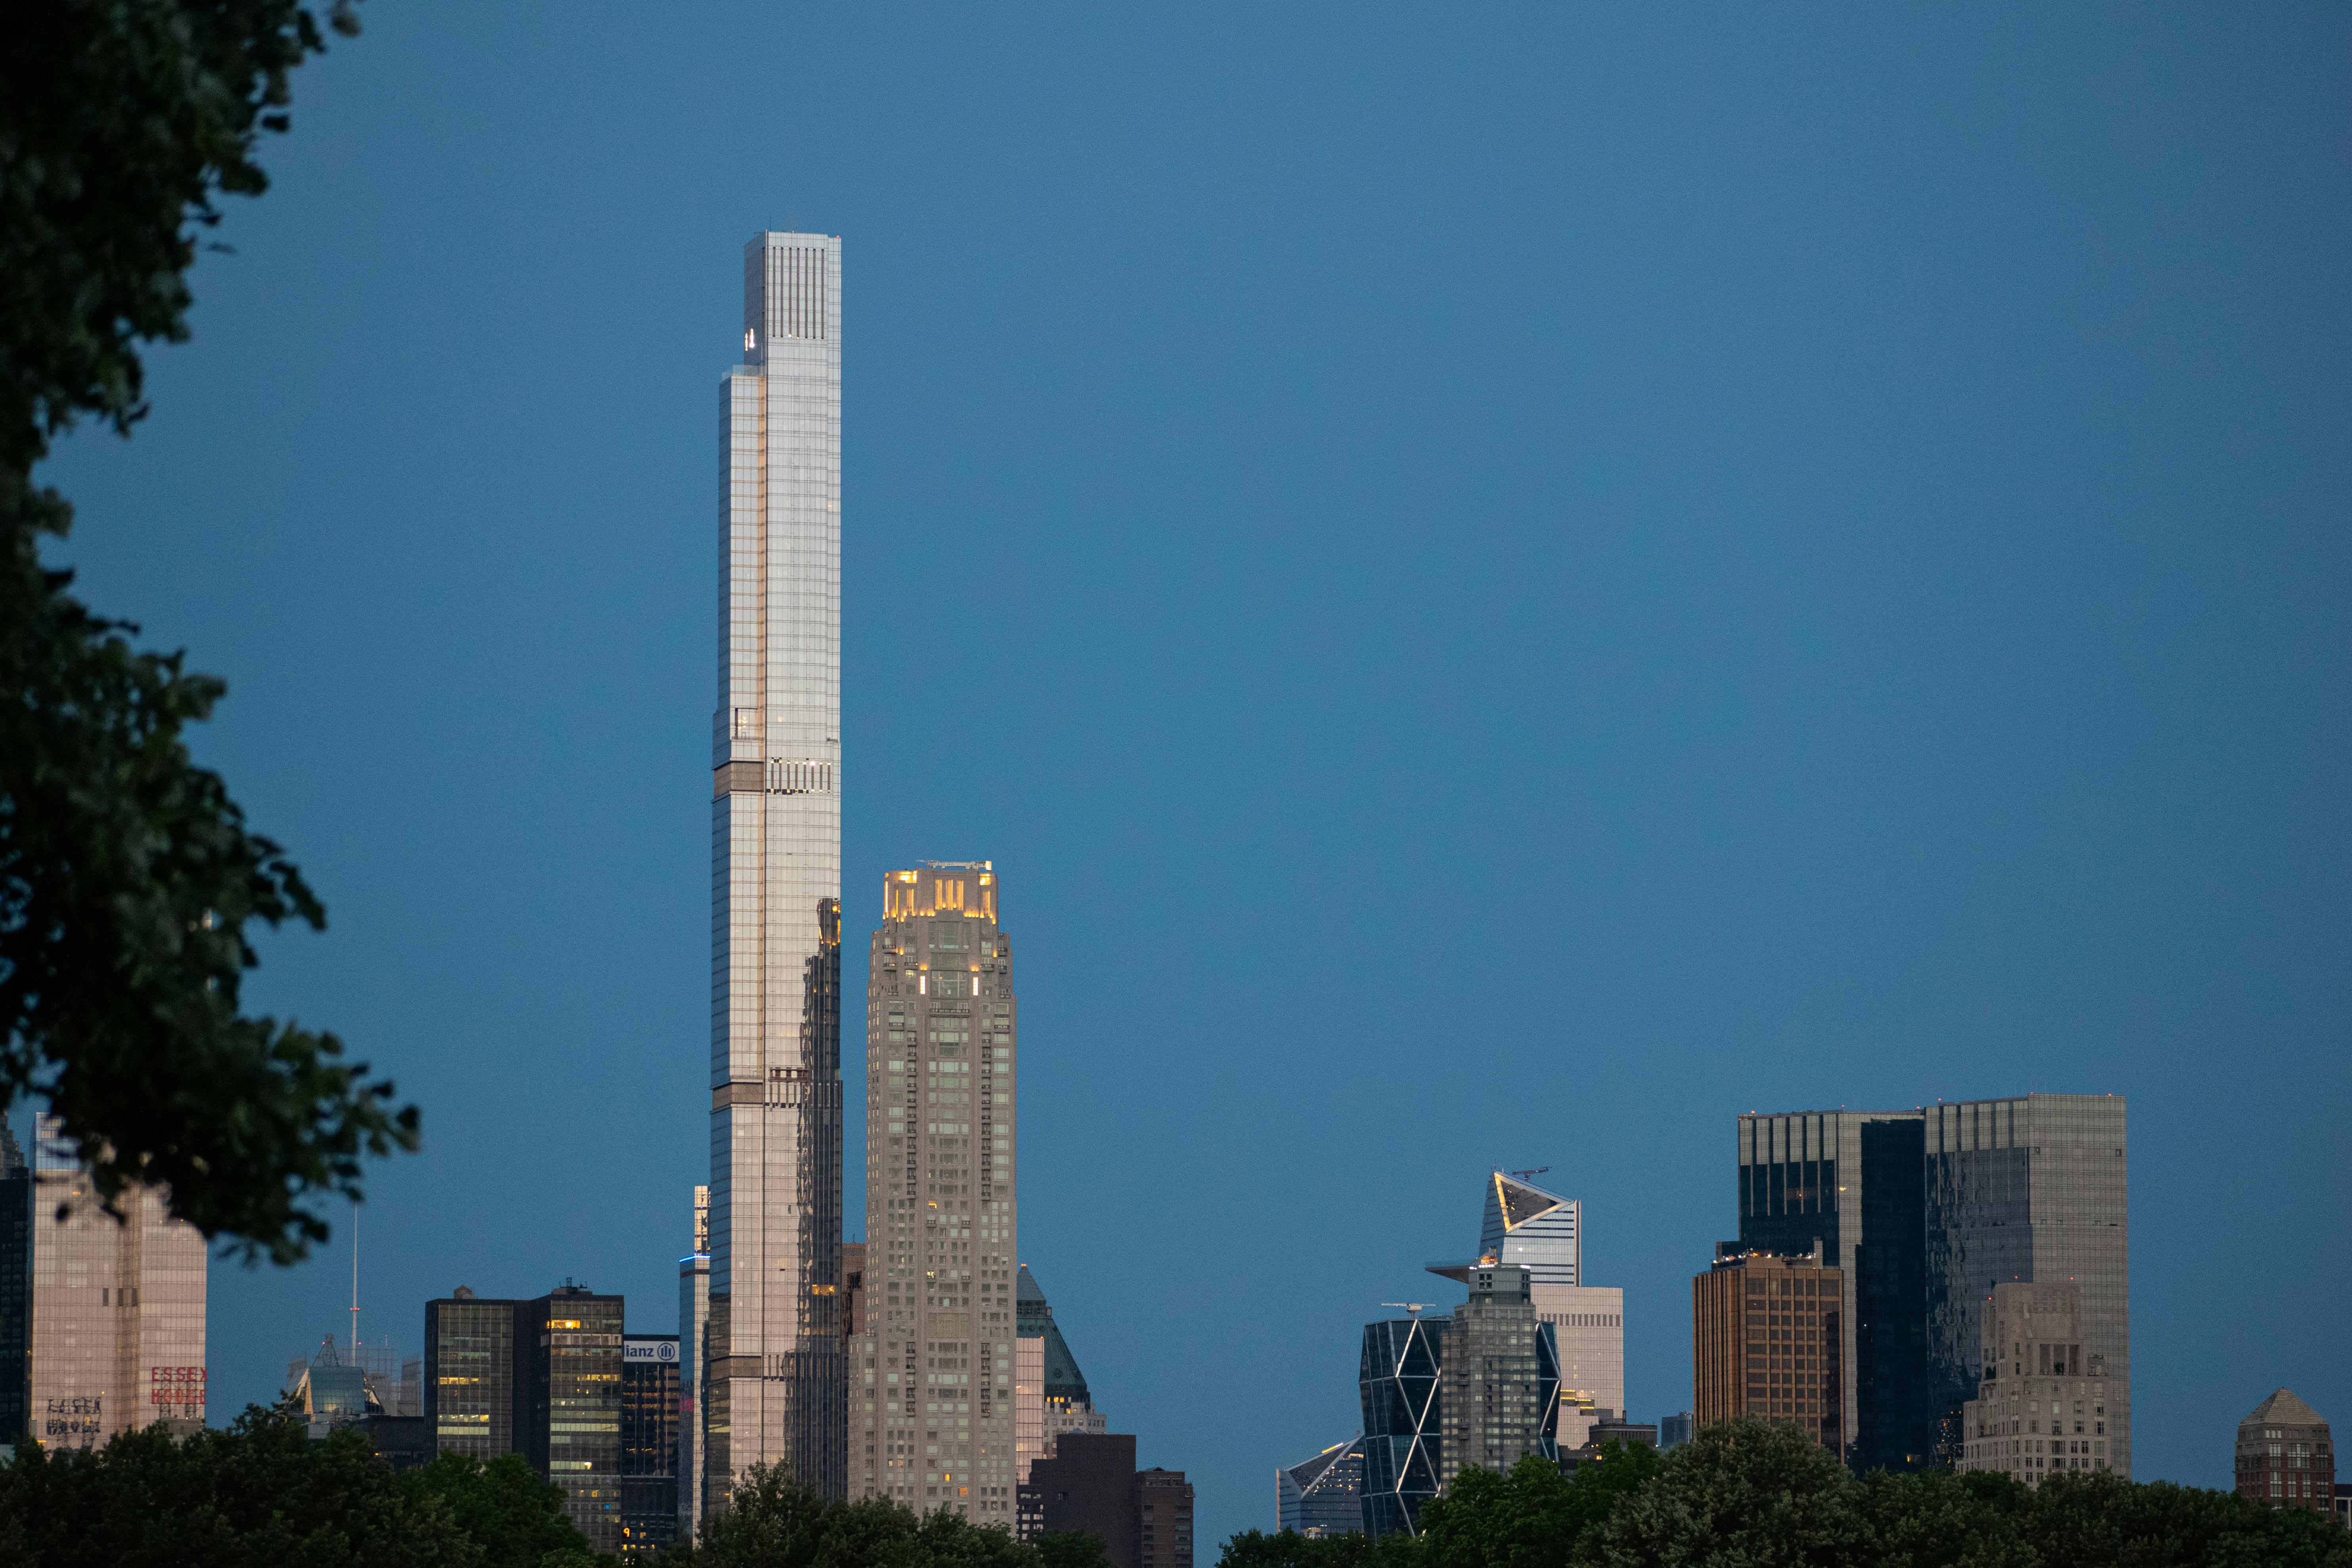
point(355, 1281)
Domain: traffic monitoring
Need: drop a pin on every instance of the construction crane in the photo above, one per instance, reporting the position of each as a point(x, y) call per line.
point(1538, 1171)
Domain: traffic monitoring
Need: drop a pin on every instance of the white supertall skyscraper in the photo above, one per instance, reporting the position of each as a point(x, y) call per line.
point(776, 1383)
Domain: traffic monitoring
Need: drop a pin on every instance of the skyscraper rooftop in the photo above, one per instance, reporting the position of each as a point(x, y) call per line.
point(1034, 1319)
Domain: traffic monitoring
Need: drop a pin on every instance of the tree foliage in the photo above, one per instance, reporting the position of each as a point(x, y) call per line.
point(1748, 1495)
point(128, 876)
point(772, 1522)
point(261, 1494)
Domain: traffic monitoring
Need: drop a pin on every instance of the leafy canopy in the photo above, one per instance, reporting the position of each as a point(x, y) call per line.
point(261, 1494)
point(772, 1522)
point(1747, 1495)
point(129, 879)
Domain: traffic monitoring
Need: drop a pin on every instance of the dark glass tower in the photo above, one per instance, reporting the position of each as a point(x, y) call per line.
point(649, 1442)
point(1399, 1380)
point(1323, 1496)
point(1924, 1211)
point(541, 1378)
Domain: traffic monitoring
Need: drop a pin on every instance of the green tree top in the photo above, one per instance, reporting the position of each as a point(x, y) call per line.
point(128, 876)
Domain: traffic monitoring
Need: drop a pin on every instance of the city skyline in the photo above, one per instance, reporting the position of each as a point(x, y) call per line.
point(1795, 560)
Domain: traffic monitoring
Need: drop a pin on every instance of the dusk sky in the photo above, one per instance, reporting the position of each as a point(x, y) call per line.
point(1500, 587)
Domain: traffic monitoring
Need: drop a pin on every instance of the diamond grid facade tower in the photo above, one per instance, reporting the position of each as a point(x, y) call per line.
point(777, 1375)
point(934, 1421)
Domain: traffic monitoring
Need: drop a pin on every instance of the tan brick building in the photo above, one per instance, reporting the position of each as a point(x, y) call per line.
point(1765, 1338)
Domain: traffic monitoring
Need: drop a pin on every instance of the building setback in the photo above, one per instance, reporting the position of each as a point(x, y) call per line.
point(114, 1310)
point(777, 1377)
point(1765, 1333)
point(933, 1413)
point(2285, 1457)
point(1323, 1496)
point(2042, 1402)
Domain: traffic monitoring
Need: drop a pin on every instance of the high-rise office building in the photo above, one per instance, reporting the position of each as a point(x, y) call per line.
point(1544, 1233)
point(117, 1309)
point(693, 1321)
point(2029, 1190)
point(1675, 1430)
point(2040, 1405)
point(1854, 1181)
point(1399, 1380)
point(1924, 1211)
point(541, 1378)
point(1499, 1394)
point(1323, 1496)
point(649, 1442)
point(2285, 1457)
point(933, 1418)
point(777, 1377)
point(1765, 1334)
point(470, 1377)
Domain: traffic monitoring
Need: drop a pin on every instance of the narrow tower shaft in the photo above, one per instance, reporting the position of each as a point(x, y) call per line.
point(776, 1373)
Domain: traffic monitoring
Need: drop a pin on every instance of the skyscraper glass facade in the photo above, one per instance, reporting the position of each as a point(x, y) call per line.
point(572, 1340)
point(1926, 1210)
point(1851, 1181)
point(471, 1375)
point(1400, 1380)
point(933, 1422)
point(1539, 1231)
point(2031, 1189)
point(777, 1374)
point(117, 1313)
point(1323, 1496)
point(650, 1441)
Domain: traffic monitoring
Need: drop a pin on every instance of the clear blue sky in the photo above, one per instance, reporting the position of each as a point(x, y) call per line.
point(1501, 587)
